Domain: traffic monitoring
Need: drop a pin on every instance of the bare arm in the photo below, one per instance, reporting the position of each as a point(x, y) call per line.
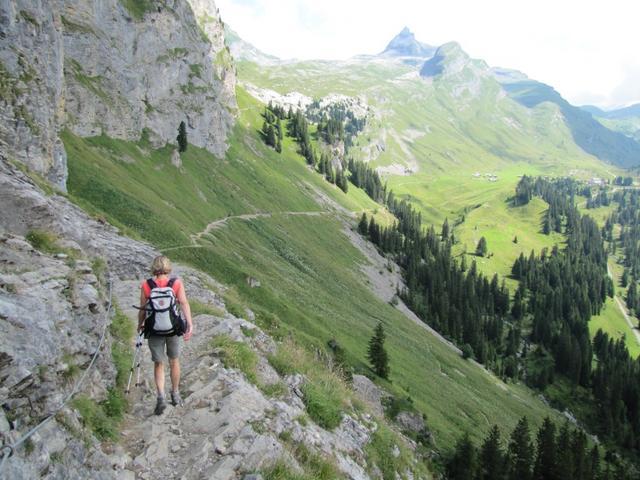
point(186, 309)
point(142, 313)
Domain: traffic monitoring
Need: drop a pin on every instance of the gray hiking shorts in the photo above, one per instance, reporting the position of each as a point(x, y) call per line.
point(163, 347)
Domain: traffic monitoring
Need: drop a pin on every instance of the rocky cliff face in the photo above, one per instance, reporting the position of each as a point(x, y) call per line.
point(124, 74)
point(32, 87)
point(95, 68)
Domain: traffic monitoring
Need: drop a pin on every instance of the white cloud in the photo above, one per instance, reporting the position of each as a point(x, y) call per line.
point(583, 48)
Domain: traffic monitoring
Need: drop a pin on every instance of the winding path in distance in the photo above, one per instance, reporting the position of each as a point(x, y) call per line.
point(245, 216)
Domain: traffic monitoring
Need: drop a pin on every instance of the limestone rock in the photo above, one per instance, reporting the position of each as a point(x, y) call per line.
point(411, 421)
point(31, 67)
point(176, 161)
point(124, 74)
point(369, 392)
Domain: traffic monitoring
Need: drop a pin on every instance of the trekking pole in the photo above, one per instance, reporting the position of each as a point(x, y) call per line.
point(139, 362)
point(136, 361)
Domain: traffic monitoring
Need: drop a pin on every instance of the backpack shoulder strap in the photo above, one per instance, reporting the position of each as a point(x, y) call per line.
point(151, 283)
point(172, 280)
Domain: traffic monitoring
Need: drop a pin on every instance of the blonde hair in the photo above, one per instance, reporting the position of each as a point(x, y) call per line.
point(161, 265)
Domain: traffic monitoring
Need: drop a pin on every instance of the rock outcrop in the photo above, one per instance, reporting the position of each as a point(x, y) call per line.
point(97, 68)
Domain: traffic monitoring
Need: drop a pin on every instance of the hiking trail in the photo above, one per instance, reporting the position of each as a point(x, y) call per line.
point(227, 427)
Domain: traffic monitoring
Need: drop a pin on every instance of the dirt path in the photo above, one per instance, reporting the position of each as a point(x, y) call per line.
point(622, 308)
point(246, 216)
point(249, 216)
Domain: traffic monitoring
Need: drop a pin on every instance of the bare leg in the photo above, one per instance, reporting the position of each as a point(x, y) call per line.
point(174, 368)
point(158, 374)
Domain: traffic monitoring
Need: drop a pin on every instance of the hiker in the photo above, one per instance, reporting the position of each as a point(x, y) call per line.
point(163, 343)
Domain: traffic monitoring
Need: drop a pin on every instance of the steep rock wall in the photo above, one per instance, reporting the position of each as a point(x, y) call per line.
point(32, 87)
point(125, 73)
point(96, 67)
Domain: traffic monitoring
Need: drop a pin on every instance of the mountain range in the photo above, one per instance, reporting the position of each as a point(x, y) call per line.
point(602, 141)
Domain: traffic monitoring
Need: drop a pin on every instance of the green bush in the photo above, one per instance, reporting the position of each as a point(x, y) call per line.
point(394, 405)
point(325, 391)
point(278, 389)
point(281, 471)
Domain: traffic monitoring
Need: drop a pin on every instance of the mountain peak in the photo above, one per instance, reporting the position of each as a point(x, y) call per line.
point(405, 45)
point(449, 58)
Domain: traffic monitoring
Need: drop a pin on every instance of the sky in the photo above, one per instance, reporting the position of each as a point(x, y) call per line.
point(587, 50)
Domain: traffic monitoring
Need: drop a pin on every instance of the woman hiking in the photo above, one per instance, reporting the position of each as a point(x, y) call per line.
point(163, 326)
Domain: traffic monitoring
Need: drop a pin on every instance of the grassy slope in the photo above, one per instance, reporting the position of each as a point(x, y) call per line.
point(450, 138)
point(307, 267)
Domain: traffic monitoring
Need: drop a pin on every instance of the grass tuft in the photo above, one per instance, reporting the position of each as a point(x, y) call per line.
point(199, 308)
point(325, 393)
point(238, 355)
point(44, 241)
point(95, 418)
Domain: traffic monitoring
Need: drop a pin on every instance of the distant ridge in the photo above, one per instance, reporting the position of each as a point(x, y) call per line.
point(242, 50)
point(588, 133)
point(619, 113)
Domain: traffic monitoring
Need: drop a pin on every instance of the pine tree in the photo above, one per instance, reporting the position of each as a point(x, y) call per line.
point(632, 297)
point(520, 453)
point(491, 464)
point(545, 466)
point(546, 226)
point(271, 136)
point(463, 464)
point(481, 249)
point(363, 225)
point(182, 137)
point(445, 230)
point(377, 354)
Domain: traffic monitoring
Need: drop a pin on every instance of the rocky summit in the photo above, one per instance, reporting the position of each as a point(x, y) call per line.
point(405, 45)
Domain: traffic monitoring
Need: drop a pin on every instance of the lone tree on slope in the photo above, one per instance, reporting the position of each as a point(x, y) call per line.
point(182, 137)
point(481, 249)
point(377, 354)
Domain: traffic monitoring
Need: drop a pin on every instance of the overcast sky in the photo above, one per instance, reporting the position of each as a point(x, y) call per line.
point(588, 50)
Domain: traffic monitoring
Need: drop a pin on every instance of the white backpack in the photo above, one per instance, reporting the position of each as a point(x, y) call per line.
point(163, 317)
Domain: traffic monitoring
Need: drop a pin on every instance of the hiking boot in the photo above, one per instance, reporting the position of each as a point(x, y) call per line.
point(160, 406)
point(176, 399)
